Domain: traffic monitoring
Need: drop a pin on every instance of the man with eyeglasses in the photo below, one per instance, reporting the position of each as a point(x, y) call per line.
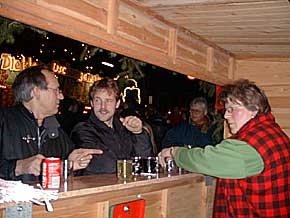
point(198, 132)
point(29, 131)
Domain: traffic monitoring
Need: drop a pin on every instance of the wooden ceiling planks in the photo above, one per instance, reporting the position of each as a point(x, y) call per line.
point(255, 31)
point(126, 28)
point(246, 28)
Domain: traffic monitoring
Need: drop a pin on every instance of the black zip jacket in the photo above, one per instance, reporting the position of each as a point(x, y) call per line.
point(116, 143)
point(20, 138)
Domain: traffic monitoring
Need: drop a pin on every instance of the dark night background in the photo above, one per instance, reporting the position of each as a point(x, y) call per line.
point(168, 88)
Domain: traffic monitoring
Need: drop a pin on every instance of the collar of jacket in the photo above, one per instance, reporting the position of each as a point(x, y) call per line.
point(259, 118)
point(27, 113)
point(116, 122)
point(49, 123)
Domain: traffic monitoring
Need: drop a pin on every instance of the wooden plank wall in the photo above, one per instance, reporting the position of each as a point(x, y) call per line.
point(134, 31)
point(126, 28)
point(273, 76)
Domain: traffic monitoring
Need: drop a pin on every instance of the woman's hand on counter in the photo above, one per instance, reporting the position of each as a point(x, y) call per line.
point(167, 154)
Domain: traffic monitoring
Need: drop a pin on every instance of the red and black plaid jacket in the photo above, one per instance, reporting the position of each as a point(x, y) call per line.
point(266, 194)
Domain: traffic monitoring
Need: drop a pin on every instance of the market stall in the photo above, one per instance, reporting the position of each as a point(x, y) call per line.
point(171, 196)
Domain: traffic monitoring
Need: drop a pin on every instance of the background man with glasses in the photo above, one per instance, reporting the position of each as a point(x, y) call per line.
point(197, 132)
point(29, 131)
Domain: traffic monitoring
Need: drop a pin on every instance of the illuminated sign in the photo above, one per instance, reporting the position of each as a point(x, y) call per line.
point(14, 66)
point(87, 77)
point(10, 63)
point(56, 68)
point(134, 87)
point(28, 63)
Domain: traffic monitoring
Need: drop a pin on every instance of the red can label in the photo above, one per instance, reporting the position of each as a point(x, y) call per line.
point(51, 173)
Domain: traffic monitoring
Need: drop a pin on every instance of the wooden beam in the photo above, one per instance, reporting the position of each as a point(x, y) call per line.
point(126, 28)
point(113, 14)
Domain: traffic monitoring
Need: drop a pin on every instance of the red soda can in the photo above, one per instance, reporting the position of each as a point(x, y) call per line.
point(51, 173)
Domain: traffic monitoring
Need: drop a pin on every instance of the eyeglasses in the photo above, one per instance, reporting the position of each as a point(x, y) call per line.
point(57, 91)
point(195, 111)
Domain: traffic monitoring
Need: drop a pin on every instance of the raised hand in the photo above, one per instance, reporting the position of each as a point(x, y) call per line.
point(133, 124)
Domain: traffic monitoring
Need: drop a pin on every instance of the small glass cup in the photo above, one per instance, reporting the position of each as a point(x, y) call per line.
point(67, 170)
point(170, 166)
point(124, 169)
point(67, 175)
point(150, 165)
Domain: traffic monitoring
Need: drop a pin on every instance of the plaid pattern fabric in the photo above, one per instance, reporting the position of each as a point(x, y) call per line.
point(266, 194)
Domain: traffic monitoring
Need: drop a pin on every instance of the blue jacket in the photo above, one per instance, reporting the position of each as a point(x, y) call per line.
point(188, 134)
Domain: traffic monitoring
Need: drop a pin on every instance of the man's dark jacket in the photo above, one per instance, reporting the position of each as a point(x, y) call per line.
point(20, 138)
point(116, 143)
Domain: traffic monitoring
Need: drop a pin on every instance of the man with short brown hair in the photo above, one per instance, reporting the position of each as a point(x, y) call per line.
point(119, 138)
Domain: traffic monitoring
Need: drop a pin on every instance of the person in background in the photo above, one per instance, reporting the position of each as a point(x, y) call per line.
point(70, 115)
point(252, 166)
point(175, 117)
point(196, 133)
point(29, 131)
point(158, 123)
point(119, 138)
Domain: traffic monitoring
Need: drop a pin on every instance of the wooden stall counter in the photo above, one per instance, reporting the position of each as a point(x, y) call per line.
point(167, 196)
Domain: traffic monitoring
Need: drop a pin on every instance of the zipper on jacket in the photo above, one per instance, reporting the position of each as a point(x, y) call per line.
point(38, 139)
point(39, 135)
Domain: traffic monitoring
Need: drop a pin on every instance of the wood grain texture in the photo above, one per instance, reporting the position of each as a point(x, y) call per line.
point(246, 28)
point(113, 14)
point(273, 76)
point(247, 39)
point(92, 196)
point(126, 28)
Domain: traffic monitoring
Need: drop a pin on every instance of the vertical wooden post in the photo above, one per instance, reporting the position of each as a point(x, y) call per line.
point(207, 197)
point(231, 68)
point(203, 203)
point(113, 14)
point(102, 209)
point(210, 59)
point(164, 204)
point(172, 40)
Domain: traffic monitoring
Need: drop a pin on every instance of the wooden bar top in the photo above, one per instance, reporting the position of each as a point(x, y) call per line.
point(85, 185)
point(96, 195)
point(103, 184)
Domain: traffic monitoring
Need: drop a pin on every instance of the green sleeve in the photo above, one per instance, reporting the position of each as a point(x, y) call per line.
point(232, 159)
